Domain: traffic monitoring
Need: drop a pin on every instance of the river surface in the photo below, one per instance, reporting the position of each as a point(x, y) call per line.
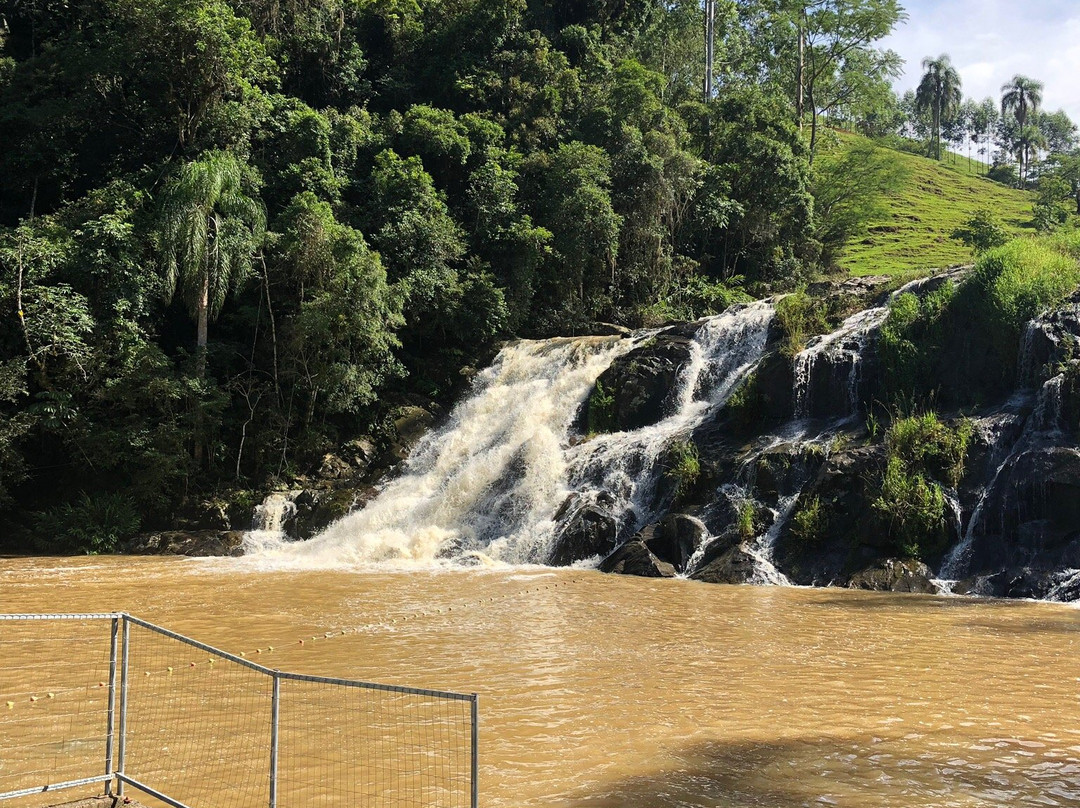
point(609, 691)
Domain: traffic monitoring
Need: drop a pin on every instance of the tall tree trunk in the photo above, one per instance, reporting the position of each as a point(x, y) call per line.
point(201, 328)
point(800, 78)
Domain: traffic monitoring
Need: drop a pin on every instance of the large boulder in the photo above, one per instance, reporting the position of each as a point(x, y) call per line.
point(895, 575)
point(634, 558)
point(198, 543)
point(587, 531)
point(675, 538)
point(639, 388)
point(844, 539)
point(736, 565)
point(1049, 339)
point(411, 423)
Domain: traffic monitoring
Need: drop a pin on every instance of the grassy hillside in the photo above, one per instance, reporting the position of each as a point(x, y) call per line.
point(935, 198)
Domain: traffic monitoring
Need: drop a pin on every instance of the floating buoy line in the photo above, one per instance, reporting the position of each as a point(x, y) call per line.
point(12, 702)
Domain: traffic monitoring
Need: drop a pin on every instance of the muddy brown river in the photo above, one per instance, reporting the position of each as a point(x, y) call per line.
point(604, 691)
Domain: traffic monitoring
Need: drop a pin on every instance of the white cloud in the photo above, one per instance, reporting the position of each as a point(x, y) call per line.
point(990, 41)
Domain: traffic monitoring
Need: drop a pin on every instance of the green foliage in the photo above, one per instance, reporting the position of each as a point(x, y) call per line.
point(745, 403)
point(683, 465)
point(912, 509)
point(91, 524)
point(809, 522)
point(600, 415)
point(920, 450)
point(746, 521)
point(801, 317)
point(982, 232)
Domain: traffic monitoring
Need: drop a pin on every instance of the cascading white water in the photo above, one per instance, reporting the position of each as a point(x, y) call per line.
point(724, 350)
point(490, 482)
point(844, 346)
point(496, 471)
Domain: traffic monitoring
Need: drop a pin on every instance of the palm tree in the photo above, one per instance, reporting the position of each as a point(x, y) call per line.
point(1021, 96)
point(938, 91)
point(210, 230)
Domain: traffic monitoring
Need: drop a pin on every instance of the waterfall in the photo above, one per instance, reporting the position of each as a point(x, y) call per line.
point(275, 510)
point(490, 482)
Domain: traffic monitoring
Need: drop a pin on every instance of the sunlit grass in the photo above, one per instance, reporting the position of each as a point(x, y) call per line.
point(916, 232)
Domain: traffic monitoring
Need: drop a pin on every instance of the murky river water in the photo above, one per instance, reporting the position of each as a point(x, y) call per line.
point(609, 691)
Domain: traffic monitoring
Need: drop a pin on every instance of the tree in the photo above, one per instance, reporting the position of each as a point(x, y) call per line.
point(210, 229)
point(983, 122)
point(1021, 96)
point(939, 91)
point(834, 59)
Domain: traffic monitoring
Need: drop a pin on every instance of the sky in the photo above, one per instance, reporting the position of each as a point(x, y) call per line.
point(990, 41)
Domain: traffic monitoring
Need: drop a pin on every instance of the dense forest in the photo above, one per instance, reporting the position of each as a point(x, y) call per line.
point(234, 235)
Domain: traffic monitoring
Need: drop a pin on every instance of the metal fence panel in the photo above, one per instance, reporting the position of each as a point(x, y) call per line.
point(200, 728)
point(55, 700)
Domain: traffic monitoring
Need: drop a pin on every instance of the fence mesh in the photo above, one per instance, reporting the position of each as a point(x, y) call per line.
point(197, 724)
point(196, 730)
point(54, 702)
point(372, 748)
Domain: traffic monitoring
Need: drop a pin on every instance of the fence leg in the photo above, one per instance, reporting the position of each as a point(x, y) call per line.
point(112, 705)
point(475, 773)
point(275, 703)
point(125, 647)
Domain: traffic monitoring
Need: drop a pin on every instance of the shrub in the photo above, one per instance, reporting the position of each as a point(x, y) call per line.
point(808, 523)
point(683, 465)
point(746, 521)
point(982, 232)
point(90, 524)
point(601, 410)
point(920, 450)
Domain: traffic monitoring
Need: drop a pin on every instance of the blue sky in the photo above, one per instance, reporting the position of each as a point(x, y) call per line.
point(992, 40)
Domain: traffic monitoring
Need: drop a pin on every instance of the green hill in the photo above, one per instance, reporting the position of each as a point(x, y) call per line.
point(934, 199)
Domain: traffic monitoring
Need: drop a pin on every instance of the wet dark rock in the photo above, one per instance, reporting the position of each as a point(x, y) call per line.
point(1032, 517)
point(634, 558)
point(1049, 340)
point(642, 383)
point(411, 423)
point(734, 566)
point(846, 540)
point(334, 468)
point(199, 543)
point(589, 532)
point(784, 470)
point(609, 330)
point(675, 538)
point(774, 381)
point(895, 575)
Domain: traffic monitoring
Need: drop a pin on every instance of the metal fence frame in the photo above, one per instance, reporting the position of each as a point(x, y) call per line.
point(117, 707)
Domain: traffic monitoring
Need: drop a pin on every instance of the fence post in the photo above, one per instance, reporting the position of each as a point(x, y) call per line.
point(475, 773)
point(112, 705)
point(120, 749)
point(274, 705)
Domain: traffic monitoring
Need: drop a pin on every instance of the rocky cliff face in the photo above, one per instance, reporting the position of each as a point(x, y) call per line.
point(794, 462)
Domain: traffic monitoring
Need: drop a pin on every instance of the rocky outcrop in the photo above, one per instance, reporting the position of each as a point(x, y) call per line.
point(735, 565)
point(844, 538)
point(639, 387)
point(675, 539)
point(197, 543)
point(895, 575)
point(634, 558)
point(1031, 518)
point(586, 530)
